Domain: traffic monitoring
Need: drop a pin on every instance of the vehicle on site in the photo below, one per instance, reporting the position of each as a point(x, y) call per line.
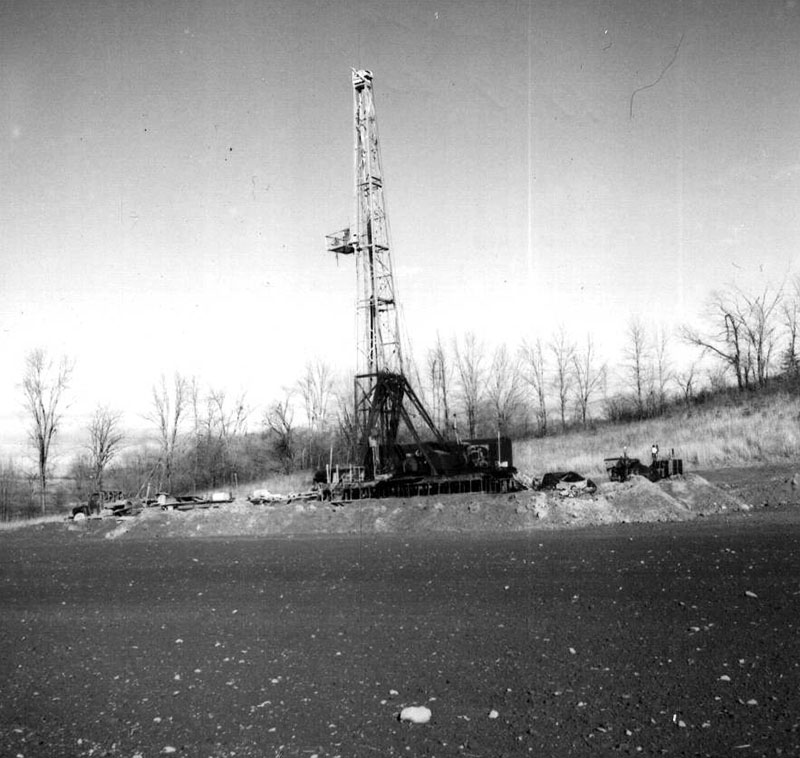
point(567, 483)
point(622, 468)
point(105, 503)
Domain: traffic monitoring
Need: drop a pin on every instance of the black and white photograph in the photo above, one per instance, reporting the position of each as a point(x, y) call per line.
point(399, 378)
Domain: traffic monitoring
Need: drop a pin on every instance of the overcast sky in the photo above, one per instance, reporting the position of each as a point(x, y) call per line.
point(169, 171)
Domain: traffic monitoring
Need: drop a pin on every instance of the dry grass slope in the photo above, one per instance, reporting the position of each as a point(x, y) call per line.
point(766, 430)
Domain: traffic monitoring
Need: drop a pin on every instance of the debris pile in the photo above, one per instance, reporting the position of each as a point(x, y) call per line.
point(636, 500)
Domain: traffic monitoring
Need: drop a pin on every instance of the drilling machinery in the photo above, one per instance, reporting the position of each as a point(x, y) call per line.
point(383, 396)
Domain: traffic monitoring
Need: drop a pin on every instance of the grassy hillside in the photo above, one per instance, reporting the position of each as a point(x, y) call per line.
point(730, 430)
point(736, 431)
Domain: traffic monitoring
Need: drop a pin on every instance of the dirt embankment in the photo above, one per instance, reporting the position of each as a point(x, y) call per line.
point(638, 500)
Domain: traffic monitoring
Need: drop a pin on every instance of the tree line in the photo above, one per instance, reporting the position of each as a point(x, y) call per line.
point(207, 438)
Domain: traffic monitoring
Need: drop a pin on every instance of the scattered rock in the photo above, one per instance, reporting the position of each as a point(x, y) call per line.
point(416, 714)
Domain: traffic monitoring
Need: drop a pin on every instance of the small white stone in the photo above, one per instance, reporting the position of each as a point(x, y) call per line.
point(416, 714)
point(493, 714)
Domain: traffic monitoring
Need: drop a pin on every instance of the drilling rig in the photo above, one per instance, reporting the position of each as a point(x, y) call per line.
point(383, 396)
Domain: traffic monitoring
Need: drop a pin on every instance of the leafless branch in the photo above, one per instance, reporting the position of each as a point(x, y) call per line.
point(167, 414)
point(105, 438)
point(534, 373)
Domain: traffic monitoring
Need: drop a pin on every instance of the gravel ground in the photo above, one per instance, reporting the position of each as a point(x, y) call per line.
point(626, 639)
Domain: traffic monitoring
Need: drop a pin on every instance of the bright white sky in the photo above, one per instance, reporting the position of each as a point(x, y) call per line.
point(170, 171)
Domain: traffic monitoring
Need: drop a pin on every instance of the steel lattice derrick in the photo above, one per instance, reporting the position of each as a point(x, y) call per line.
point(379, 338)
point(380, 387)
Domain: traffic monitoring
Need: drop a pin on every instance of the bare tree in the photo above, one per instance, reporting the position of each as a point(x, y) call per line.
point(589, 377)
point(279, 420)
point(193, 390)
point(219, 421)
point(563, 351)
point(226, 419)
point(316, 388)
point(725, 339)
point(661, 371)
point(686, 383)
point(503, 388)
point(638, 363)
point(44, 385)
point(534, 373)
point(469, 365)
point(760, 327)
point(105, 440)
point(742, 333)
point(790, 312)
point(440, 374)
point(169, 406)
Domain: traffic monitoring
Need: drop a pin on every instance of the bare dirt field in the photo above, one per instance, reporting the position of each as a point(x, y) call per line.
point(159, 636)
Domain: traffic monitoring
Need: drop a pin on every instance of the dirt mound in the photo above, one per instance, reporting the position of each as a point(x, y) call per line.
point(637, 500)
point(675, 499)
point(701, 496)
